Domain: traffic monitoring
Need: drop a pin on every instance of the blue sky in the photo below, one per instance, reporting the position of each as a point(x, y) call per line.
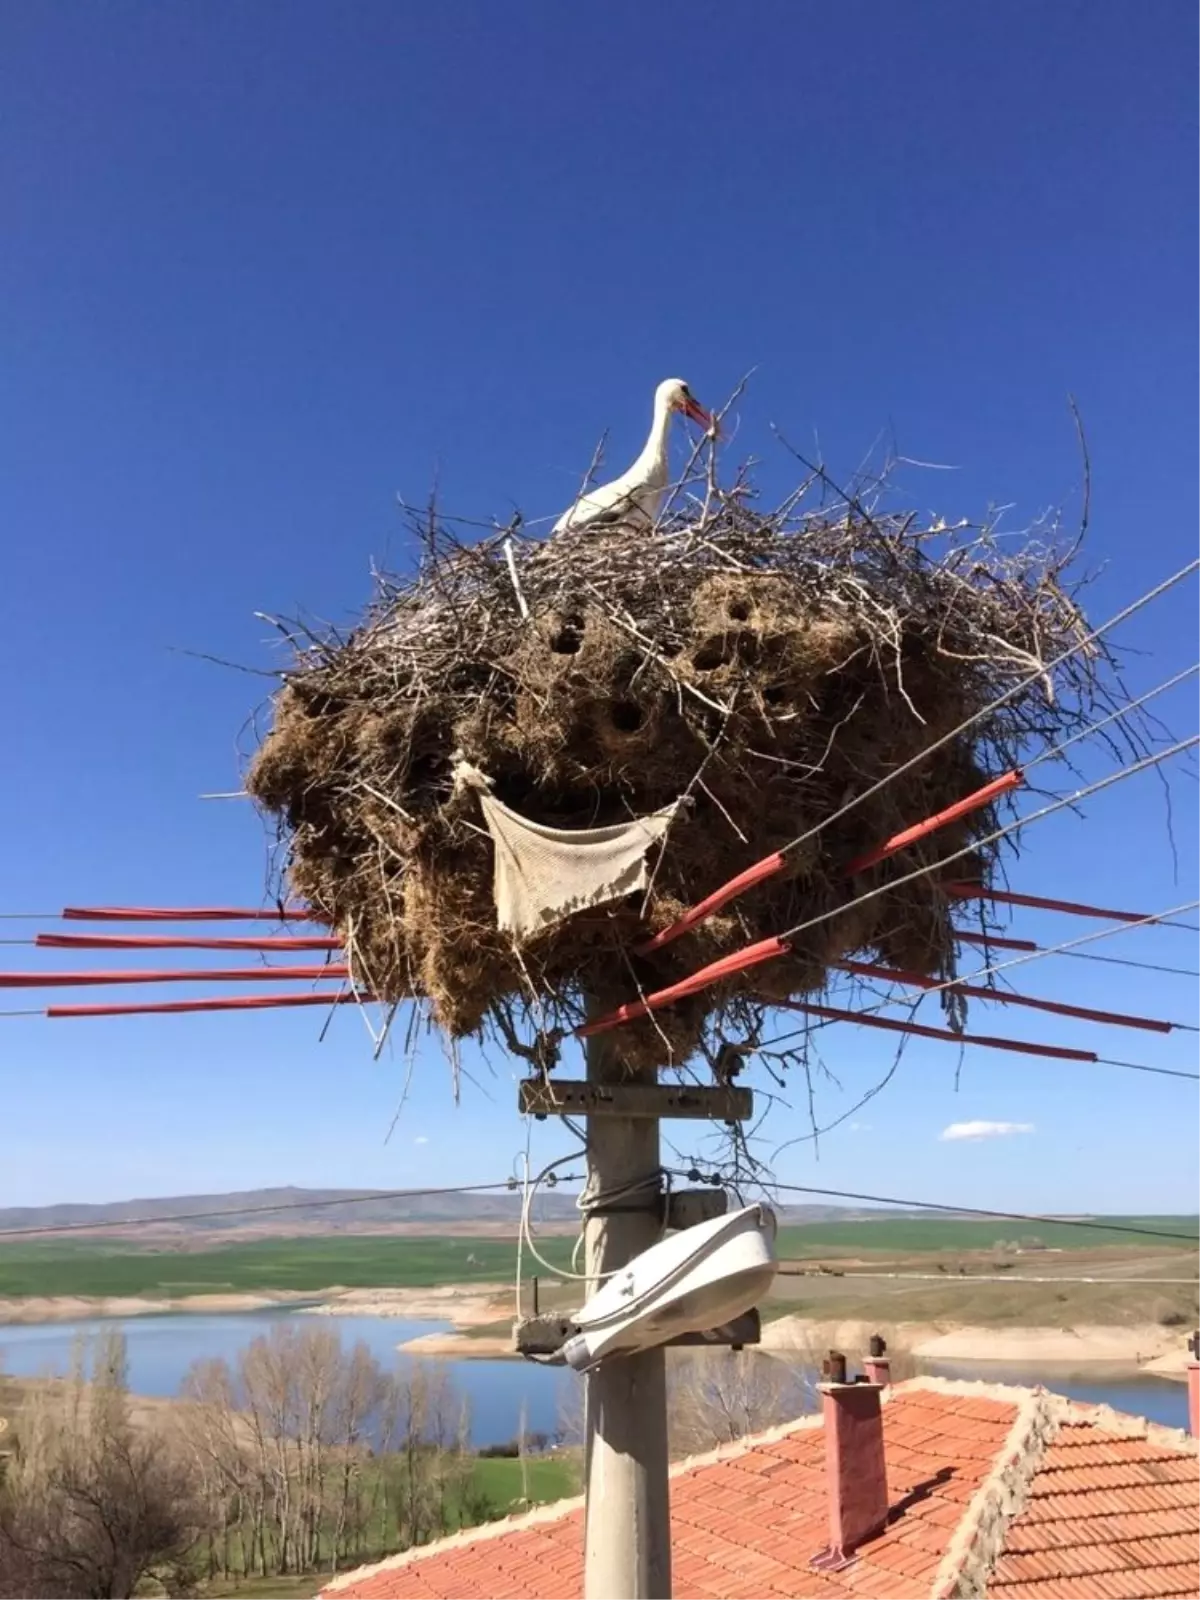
point(269, 266)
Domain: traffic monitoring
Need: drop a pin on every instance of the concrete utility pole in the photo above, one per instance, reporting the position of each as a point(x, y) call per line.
point(628, 1523)
point(627, 1534)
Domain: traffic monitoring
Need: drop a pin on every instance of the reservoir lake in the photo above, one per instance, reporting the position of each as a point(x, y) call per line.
point(162, 1348)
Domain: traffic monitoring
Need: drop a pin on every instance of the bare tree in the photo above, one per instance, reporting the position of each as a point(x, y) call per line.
point(89, 1504)
point(312, 1457)
point(298, 1457)
point(718, 1396)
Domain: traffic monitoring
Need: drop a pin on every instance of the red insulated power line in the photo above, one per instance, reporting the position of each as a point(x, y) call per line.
point(240, 1002)
point(183, 914)
point(766, 948)
point(976, 991)
point(768, 867)
point(921, 1030)
point(71, 980)
point(771, 865)
point(963, 808)
point(751, 956)
point(1037, 902)
point(948, 1036)
point(170, 941)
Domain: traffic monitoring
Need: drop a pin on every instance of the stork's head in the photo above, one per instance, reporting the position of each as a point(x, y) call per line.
point(674, 395)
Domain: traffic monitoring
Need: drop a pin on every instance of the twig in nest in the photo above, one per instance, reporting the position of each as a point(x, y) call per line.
point(516, 582)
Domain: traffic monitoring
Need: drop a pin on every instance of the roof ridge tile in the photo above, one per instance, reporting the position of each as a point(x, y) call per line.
point(978, 1540)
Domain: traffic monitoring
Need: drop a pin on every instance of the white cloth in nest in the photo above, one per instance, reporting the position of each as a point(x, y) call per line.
point(544, 874)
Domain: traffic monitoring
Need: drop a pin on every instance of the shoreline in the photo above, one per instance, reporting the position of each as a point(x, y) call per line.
point(31, 1310)
point(462, 1346)
point(1144, 1349)
point(460, 1306)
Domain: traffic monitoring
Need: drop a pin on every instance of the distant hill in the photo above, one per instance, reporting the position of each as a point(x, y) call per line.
point(334, 1209)
point(338, 1211)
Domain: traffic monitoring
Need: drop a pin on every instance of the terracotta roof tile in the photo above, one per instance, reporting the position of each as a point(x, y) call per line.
point(1107, 1517)
point(720, 1552)
point(1118, 1515)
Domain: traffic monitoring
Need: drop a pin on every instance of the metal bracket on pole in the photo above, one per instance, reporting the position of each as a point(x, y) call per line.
point(541, 1335)
point(743, 1330)
point(546, 1335)
point(686, 1207)
point(551, 1097)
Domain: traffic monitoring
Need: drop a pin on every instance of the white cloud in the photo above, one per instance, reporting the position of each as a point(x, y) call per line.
point(859, 1127)
point(984, 1130)
point(421, 1139)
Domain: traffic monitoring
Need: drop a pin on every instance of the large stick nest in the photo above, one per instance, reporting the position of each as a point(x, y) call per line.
point(768, 667)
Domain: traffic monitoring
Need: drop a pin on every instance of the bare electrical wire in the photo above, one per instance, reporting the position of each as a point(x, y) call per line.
point(1125, 961)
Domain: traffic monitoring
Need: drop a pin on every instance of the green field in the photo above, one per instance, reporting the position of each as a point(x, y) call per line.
point(545, 1478)
point(115, 1267)
point(906, 1235)
point(310, 1265)
point(501, 1479)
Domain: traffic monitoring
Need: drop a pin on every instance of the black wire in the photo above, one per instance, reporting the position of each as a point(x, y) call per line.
point(977, 1211)
point(476, 1188)
point(254, 1211)
point(1124, 961)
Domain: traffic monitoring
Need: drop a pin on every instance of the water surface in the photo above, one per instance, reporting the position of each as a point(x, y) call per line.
point(161, 1349)
point(1140, 1393)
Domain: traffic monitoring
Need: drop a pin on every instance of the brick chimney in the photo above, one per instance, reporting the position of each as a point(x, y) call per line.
point(877, 1368)
point(1193, 1382)
point(855, 1472)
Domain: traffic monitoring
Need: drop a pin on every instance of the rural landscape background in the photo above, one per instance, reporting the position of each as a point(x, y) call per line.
point(275, 268)
point(295, 1397)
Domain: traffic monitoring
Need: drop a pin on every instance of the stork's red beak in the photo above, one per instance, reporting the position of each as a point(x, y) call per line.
point(692, 408)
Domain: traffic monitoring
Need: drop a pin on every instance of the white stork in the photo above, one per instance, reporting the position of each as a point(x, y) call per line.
point(637, 495)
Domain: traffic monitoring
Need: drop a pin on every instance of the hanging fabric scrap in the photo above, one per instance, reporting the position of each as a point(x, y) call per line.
point(543, 875)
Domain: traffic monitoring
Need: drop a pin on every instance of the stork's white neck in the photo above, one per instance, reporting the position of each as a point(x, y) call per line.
point(655, 451)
